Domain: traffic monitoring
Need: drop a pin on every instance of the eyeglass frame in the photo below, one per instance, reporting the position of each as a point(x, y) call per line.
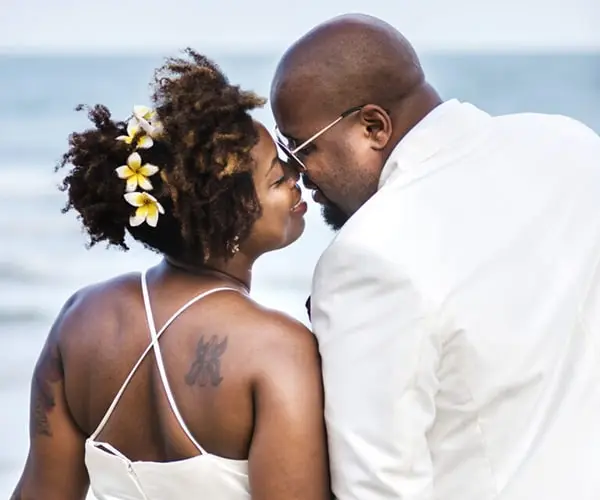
point(293, 152)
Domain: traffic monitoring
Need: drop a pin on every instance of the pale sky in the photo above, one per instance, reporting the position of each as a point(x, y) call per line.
point(150, 25)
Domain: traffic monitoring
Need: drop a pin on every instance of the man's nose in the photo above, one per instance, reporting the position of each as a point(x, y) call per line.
point(308, 184)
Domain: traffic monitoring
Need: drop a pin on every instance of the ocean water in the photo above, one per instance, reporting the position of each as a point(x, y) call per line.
point(43, 258)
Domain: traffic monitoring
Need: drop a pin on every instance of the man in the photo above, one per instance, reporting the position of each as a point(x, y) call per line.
point(458, 308)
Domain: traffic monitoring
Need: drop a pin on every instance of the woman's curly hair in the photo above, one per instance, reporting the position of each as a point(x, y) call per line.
point(205, 182)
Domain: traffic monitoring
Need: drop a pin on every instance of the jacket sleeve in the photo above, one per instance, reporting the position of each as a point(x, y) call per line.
point(380, 351)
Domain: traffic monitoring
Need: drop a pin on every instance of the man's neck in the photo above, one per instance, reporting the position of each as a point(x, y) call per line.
point(411, 111)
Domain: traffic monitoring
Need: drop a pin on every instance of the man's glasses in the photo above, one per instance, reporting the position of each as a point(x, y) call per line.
point(293, 151)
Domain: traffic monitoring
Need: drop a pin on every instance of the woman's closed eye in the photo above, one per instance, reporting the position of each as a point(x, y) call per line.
point(281, 180)
point(287, 172)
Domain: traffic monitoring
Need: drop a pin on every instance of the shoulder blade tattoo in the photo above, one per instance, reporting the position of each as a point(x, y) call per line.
point(206, 367)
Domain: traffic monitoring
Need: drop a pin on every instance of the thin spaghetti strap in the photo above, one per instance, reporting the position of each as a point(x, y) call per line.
point(158, 353)
point(117, 398)
point(155, 336)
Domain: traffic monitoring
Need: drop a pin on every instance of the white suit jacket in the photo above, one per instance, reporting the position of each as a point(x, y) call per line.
point(458, 316)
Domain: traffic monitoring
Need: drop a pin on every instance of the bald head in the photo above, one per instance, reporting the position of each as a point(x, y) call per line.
point(348, 61)
point(344, 95)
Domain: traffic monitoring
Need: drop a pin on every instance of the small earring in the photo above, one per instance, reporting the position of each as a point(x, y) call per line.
point(235, 246)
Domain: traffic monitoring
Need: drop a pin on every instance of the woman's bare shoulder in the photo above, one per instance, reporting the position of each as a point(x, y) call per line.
point(277, 336)
point(112, 288)
point(274, 323)
point(93, 303)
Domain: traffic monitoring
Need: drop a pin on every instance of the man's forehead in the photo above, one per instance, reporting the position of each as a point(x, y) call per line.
point(298, 97)
point(297, 118)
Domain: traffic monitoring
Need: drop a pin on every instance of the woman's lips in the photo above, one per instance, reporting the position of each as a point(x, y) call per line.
point(300, 207)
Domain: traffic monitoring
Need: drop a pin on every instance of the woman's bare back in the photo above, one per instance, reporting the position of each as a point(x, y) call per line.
point(213, 354)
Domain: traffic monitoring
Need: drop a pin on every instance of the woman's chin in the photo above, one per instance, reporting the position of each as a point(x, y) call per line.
point(297, 230)
point(294, 232)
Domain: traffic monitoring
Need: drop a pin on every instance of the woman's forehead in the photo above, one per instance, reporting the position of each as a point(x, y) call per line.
point(265, 149)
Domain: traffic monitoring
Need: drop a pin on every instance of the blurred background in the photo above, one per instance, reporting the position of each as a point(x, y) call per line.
point(526, 55)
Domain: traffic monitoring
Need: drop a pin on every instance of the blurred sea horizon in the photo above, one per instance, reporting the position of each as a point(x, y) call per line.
point(43, 258)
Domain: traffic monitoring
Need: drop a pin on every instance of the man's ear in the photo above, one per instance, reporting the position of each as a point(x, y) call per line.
point(377, 124)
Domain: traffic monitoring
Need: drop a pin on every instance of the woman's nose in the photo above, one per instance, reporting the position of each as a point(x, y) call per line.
point(293, 173)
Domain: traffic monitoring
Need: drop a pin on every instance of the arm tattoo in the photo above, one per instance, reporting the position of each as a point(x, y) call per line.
point(47, 372)
point(206, 366)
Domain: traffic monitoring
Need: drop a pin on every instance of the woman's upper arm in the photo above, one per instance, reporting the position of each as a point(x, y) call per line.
point(288, 455)
point(55, 467)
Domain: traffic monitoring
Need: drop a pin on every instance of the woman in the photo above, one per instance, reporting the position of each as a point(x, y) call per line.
point(229, 404)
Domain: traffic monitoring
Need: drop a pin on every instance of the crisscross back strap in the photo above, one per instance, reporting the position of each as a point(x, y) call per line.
point(155, 336)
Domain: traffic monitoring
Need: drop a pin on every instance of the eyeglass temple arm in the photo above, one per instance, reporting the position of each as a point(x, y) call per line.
point(322, 131)
point(318, 134)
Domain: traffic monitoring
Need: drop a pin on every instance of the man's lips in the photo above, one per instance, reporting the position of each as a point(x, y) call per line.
point(318, 197)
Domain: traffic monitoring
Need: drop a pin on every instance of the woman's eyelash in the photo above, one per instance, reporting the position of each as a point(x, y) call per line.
point(282, 179)
point(287, 173)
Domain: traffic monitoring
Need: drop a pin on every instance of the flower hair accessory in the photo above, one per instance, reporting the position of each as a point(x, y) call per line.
point(142, 129)
point(147, 208)
point(136, 174)
point(148, 120)
point(145, 119)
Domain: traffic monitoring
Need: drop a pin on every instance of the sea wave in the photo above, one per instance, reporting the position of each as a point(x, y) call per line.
point(14, 272)
point(31, 315)
point(28, 181)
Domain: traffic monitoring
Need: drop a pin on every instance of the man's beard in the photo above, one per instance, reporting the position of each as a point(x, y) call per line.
point(333, 216)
